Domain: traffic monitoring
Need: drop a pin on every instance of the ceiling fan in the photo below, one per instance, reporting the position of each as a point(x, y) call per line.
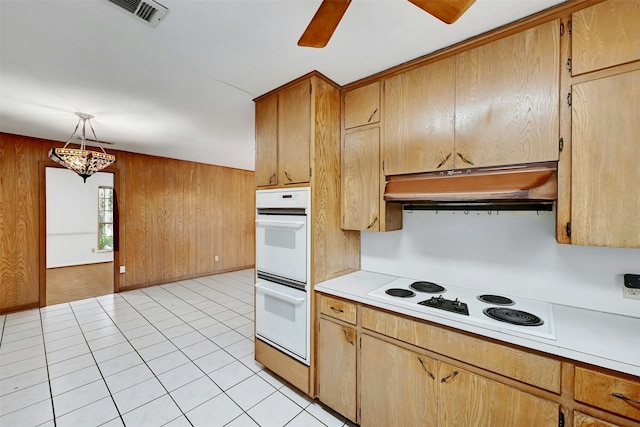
point(330, 12)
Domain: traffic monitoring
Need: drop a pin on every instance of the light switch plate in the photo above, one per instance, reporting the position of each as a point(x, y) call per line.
point(122, 269)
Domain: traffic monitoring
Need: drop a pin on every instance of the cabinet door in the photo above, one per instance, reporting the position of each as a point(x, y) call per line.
point(583, 420)
point(605, 35)
point(362, 106)
point(467, 399)
point(418, 119)
point(337, 367)
point(605, 190)
point(267, 141)
point(294, 133)
point(507, 100)
point(397, 386)
point(360, 180)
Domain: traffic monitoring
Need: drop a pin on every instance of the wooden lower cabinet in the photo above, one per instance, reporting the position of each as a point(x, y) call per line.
point(397, 386)
point(337, 367)
point(467, 399)
point(584, 420)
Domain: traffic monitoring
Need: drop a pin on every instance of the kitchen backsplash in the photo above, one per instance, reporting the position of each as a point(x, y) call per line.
point(514, 253)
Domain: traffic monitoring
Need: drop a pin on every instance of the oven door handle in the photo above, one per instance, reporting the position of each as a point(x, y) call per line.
point(292, 225)
point(280, 295)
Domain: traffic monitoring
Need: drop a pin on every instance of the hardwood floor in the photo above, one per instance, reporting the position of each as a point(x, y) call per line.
point(66, 284)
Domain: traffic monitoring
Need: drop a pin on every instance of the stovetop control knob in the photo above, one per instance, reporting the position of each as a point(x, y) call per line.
point(457, 303)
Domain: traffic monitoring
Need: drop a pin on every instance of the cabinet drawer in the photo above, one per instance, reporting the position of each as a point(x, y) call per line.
point(608, 392)
point(529, 368)
point(338, 309)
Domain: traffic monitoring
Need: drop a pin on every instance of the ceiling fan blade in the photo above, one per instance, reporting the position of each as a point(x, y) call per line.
point(323, 23)
point(448, 11)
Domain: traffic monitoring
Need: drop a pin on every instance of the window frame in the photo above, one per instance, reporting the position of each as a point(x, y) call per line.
point(101, 210)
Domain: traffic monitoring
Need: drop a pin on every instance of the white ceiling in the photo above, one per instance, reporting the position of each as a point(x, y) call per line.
point(184, 89)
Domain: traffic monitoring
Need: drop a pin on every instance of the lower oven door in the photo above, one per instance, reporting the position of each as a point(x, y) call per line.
point(282, 318)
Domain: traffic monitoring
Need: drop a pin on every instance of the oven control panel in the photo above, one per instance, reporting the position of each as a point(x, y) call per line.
point(284, 198)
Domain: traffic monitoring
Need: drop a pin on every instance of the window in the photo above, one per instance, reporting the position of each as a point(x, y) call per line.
point(105, 218)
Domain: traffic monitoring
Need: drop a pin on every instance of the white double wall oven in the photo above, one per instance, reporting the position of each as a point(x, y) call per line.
point(283, 270)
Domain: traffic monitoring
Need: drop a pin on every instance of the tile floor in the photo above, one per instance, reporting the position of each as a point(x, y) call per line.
point(179, 354)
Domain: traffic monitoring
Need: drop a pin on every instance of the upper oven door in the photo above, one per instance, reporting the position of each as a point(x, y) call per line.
point(281, 245)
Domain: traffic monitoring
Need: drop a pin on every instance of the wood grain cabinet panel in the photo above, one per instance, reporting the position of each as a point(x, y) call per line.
point(267, 141)
point(467, 399)
point(398, 387)
point(605, 35)
point(337, 367)
point(584, 420)
point(506, 108)
point(294, 133)
point(360, 201)
point(605, 195)
point(362, 106)
point(339, 309)
point(418, 119)
point(611, 393)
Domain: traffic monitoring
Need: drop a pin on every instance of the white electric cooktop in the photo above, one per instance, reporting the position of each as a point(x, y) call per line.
point(464, 305)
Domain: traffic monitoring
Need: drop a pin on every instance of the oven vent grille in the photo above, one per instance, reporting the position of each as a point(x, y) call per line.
point(149, 11)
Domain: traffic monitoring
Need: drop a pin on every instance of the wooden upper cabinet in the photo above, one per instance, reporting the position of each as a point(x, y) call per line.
point(605, 190)
point(507, 100)
point(362, 106)
point(294, 133)
point(361, 180)
point(267, 141)
point(418, 119)
point(605, 35)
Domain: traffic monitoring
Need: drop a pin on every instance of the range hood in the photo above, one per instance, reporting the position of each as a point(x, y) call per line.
point(532, 183)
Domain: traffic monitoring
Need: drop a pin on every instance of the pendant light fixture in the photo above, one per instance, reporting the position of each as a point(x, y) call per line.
point(82, 161)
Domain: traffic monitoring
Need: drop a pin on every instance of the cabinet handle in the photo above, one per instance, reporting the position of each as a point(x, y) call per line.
point(271, 178)
point(337, 310)
point(371, 116)
point(372, 223)
point(451, 375)
point(287, 175)
point(467, 161)
point(425, 368)
point(623, 397)
point(444, 161)
point(347, 336)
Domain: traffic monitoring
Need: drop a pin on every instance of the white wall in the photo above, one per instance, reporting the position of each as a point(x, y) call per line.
point(510, 252)
point(72, 218)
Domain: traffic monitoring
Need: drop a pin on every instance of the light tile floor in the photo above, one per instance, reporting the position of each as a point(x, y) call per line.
point(179, 354)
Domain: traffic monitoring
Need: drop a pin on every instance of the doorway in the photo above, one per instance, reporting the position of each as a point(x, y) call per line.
point(79, 235)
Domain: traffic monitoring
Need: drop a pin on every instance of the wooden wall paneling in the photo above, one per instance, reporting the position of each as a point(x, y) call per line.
point(507, 99)
point(170, 228)
point(235, 215)
point(138, 254)
point(206, 217)
point(19, 222)
point(180, 195)
point(191, 217)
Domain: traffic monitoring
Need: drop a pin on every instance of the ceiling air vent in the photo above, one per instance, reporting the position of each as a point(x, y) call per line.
point(147, 10)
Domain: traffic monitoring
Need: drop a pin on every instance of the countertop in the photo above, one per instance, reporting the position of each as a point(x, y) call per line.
point(602, 339)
